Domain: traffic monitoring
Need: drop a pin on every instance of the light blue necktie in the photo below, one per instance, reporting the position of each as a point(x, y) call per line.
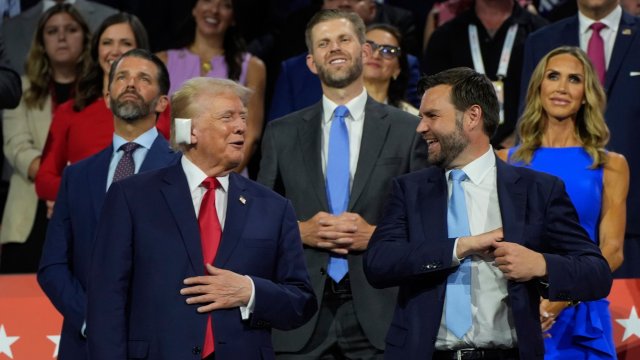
point(458, 303)
point(338, 181)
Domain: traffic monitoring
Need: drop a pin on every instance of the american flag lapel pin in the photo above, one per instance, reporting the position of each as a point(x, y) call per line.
point(626, 32)
point(242, 200)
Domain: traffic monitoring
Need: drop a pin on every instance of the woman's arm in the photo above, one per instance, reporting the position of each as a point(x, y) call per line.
point(614, 209)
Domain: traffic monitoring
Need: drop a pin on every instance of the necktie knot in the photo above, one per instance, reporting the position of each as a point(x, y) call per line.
point(129, 147)
point(341, 112)
point(210, 183)
point(597, 26)
point(458, 175)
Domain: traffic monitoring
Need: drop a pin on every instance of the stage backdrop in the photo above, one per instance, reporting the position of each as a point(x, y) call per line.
point(30, 325)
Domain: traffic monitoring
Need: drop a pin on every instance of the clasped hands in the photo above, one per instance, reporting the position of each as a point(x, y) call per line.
point(221, 289)
point(516, 262)
point(340, 234)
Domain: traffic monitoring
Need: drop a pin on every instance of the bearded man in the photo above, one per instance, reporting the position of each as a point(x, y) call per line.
point(138, 86)
point(335, 161)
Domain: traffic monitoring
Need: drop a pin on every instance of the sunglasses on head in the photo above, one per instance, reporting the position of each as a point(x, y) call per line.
point(386, 51)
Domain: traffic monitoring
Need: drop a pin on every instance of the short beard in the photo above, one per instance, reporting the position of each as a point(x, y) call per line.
point(340, 82)
point(451, 145)
point(131, 111)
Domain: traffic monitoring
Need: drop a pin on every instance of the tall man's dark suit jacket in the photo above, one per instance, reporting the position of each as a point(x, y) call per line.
point(622, 86)
point(18, 31)
point(292, 165)
point(66, 256)
point(411, 248)
point(148, 242)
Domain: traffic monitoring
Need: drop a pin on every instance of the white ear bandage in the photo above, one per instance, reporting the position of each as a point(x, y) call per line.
point(183, 131)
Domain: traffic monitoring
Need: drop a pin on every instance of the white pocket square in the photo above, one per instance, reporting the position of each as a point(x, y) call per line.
point(634, 73)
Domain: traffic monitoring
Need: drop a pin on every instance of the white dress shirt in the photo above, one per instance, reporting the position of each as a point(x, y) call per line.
point(492, 321)
point(195, 177)
point(608, 34)
point(355, 124)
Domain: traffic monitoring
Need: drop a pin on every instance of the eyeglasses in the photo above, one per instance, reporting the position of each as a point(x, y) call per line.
point(388, 52)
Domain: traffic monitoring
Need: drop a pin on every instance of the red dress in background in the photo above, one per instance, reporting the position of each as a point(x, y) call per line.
point(74, 136)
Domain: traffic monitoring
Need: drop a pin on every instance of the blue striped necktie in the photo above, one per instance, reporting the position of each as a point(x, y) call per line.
point(338, 181)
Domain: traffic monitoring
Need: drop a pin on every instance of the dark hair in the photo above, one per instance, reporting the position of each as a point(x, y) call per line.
point(163, 74)
point(38, 67)
point(468, 88)
point(233, 43)
point(91, 82)
point(398, 86)
point(332, 14)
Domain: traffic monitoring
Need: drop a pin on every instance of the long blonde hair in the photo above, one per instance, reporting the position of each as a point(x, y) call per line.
point(590, 127)
point(38, 67)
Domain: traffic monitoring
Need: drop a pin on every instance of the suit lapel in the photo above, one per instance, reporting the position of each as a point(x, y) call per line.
point(374, 134)
point(309, 136)
point(432, 205)
point(236, 217)
point(97, 172)
point(176, 193)
point(626, 34)
point(513, 201)
point(159, 155)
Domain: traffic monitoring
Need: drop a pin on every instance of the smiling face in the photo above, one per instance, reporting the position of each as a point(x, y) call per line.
point(134, 92)
point(218, 130)
point(441, 126)
point(62, 37)
point(337, 54)
point(376, 67)
point(116, 40)
point(562, 88)
point(213, 16)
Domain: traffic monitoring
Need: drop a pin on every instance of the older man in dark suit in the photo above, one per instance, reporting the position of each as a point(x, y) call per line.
point(334, 161)
point(473, 242)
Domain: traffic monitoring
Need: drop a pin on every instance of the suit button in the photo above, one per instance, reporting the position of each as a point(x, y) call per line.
point(196, 350)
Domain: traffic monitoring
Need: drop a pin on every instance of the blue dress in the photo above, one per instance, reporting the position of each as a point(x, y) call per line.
point(583, 331)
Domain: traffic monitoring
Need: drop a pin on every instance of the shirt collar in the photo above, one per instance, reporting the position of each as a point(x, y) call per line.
point(355, 106)
point(612, 20)
point(195, 176)
point(48, 4)
point(479, 168)
point(145, 140)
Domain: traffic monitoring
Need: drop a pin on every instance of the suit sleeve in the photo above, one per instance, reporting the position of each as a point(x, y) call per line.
point(394, 256)
point(54, 157)
point(287, 301)
point(19, 144)
point(529, 62)
point(575, 266)
point(54, 275)
point(281, 103)
point(268, 173)
point(10, 85)
point(109, 279)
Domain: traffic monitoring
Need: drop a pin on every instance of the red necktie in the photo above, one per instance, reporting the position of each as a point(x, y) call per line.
point(595, 50)
point(210, 233)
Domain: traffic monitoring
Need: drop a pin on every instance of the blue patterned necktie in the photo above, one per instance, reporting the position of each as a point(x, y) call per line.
point(338, 181)
point(458, 298)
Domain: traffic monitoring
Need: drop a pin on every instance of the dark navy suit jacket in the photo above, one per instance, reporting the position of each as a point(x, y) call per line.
point(66, 256)
point(410, 248)
point(297, 87)
point(148, 242)
point(622, 86)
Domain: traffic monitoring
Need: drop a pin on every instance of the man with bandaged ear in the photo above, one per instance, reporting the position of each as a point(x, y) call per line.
point(194, 261)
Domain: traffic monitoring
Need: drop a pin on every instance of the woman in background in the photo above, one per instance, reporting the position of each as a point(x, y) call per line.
point(386, 72)
point(84, 126)
point(217, 50)
point(59, 54)
point(563, 133)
